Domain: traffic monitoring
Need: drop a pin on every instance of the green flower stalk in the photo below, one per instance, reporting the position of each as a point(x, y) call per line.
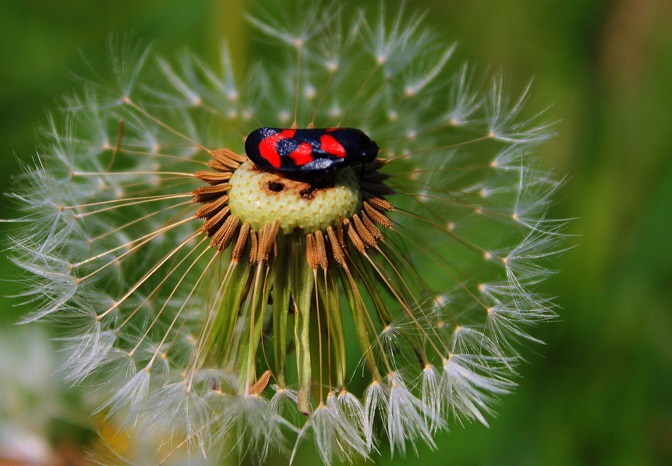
point(232, 307)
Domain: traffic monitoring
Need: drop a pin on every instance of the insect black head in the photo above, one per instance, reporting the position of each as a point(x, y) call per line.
point(369, 152)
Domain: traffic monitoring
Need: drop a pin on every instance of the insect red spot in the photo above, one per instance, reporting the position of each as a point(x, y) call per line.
point(331, 146)
point(303, 154)
point(268, 147)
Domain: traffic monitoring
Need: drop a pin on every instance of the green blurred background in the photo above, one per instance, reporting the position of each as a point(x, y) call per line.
point(600, 391)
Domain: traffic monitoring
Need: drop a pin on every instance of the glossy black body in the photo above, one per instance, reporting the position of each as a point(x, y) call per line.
point(314, 150)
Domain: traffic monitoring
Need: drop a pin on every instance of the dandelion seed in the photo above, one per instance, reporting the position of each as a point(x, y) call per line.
point(239, 309)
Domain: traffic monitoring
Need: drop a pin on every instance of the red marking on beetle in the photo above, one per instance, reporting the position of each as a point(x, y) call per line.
point(268, 147)
point(302, 154)
point(331, 146)
point(329, 130)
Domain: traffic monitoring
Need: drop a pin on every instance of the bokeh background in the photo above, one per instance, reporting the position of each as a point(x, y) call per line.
point(600, 390)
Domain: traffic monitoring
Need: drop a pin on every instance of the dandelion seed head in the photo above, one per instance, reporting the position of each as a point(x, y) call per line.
point(295, 204)
point(239, 309)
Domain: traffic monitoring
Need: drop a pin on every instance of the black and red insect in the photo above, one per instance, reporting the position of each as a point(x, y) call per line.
point(315, 150)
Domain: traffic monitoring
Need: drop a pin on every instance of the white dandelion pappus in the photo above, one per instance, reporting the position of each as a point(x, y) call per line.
point(237, 327)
